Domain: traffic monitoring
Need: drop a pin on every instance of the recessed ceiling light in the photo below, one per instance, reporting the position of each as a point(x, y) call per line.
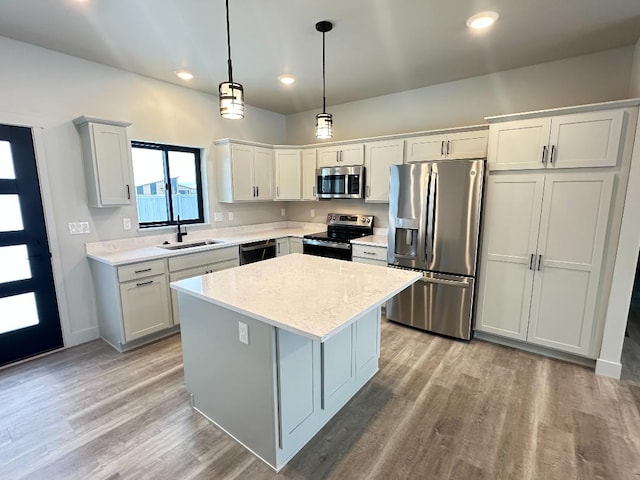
point(482, 20)
point(287, 79)
point(184, 74)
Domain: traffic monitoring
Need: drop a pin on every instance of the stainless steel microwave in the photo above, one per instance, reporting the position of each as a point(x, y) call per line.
point(340, 182)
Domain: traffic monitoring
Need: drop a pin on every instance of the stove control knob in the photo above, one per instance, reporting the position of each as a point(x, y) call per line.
point(333, 218)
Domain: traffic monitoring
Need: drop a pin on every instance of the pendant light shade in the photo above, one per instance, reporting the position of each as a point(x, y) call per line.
point(231, 94)
point(324, 120)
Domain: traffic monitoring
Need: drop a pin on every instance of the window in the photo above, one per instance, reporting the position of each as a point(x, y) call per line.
point(168, 184)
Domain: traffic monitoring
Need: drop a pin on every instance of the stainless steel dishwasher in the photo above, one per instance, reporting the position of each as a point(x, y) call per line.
point(257, 251)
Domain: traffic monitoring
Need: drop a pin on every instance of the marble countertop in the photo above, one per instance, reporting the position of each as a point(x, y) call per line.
point(138, 250)
point(311, 296)
point(371, 241)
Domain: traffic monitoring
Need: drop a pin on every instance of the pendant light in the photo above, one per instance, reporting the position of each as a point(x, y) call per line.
point(324, 120)
point(231, 94)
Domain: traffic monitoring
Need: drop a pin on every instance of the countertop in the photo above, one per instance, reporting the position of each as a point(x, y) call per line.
point(371, 241)
point(311, 296)
point(133, 251)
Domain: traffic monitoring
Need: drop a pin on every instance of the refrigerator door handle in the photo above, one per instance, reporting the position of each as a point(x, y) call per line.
point(464, 282)
point(431, 213)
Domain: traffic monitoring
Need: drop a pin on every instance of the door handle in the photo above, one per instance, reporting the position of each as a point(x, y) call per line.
point(539, 262)
point(258, 191)
point(553, 154)
point(277, 191)
point(544, 154)
point(531, 261)
point(144, 283)
point(367, 193)
point(128, 192)
point(442, 147)
point(448, 145)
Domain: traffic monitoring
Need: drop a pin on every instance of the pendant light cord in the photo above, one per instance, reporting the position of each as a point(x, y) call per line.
point(229, 46)
point(324, 94)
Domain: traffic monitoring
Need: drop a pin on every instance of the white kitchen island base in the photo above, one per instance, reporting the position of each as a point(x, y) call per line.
point(276, 392)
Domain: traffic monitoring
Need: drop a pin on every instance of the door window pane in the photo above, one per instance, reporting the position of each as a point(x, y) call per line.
point(10, 214)
point(6, 161)
point(15, 263)
point(18, 311)
point(184, 188)
point(148, 174)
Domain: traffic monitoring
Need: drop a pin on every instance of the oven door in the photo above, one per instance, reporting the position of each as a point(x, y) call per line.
point(321, 248)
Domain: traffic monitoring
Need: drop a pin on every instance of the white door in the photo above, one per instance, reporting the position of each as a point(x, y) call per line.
point(379, 156)
point(288, 174)
point(519, 145)
point(512, 217)
point(242, 172)
point(467, 144)
point(309, 174)
point(263, 173)
point(111, 151)
point(351, 154)
point(571, 243)
point(420, 149)
point(145, 306)
point(586, 140)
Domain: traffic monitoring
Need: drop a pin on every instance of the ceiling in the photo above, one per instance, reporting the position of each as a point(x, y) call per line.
point(377, 47)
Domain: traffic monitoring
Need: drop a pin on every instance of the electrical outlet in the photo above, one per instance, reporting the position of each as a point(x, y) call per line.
point(84, 227)
point(243, 333)
point(126, 223)
point(217, 217)
point(313, 213)
point(283, 212)
point(230, 215)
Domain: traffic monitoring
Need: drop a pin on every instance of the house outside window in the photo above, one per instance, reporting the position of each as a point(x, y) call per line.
point(168, 184)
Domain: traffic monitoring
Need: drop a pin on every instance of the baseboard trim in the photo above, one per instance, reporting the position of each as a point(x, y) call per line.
point(608, 369)
point(83, 336)
point(546, 352)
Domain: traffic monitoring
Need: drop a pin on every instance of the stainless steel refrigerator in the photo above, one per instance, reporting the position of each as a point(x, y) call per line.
point(434, 224)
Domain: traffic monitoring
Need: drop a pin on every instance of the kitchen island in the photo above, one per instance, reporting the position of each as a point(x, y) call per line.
point(272, 350)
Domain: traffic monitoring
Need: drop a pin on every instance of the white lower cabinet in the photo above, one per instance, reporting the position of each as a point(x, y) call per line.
point(370, 254)
point(542, 253)
point(145, 307)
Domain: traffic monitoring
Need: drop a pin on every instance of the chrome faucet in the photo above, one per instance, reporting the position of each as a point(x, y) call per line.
point(181, 234)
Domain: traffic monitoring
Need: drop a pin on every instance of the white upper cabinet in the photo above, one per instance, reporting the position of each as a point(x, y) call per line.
point(378, 158)
point(309, 174)
point(106, 155)
point(590, 139)
point(341, 155)
point(244, 172)
point(543, 248)
point(288, 174)
point(450, 146)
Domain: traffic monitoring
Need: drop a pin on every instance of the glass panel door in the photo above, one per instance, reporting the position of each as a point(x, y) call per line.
point(29, 319)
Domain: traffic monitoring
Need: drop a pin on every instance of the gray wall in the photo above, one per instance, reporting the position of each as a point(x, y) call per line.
point(634, 87)
point(40, 87)
point(575, 81)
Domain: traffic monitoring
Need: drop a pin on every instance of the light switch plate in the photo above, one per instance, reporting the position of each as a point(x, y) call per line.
point(126, 223)
point(230, 215)
point(283, 212)
point(78, 228)
point(217, 217)
point(243, 333)
point(84, 227)
point(313, 213)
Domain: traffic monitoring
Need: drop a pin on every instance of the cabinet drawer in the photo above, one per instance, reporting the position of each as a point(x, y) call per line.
point(140, 270)
point(370, 261)
point(372, 253)
point(202, 258)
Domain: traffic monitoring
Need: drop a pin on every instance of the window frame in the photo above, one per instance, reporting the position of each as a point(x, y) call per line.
point(165, 149)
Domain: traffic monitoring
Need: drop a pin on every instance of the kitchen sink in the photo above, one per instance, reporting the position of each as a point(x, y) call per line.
point(181, 246)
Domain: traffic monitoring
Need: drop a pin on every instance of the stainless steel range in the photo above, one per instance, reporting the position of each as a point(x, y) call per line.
point(336, 241)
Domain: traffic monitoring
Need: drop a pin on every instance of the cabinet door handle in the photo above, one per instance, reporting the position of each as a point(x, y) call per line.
point(442, 147)
point(144, 283)
point(278, 248)
point(448, 145)
point(128, 192)
point(539, 262)
point(531, 261)
point(369, 253)
point(142, 271)
point(367, 192)
point(277, 191)
point(544, 154)
point(553, 154)
point(258, 191)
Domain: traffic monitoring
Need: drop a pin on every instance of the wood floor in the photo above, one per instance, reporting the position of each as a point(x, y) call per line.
point(631, 348)
point(437, 409)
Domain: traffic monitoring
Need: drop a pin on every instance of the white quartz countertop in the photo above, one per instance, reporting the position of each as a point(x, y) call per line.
point(371, 241)
point(311, 296)
point(131, 254)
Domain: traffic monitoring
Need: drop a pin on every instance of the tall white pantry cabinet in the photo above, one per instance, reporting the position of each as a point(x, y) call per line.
point(551, 219)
